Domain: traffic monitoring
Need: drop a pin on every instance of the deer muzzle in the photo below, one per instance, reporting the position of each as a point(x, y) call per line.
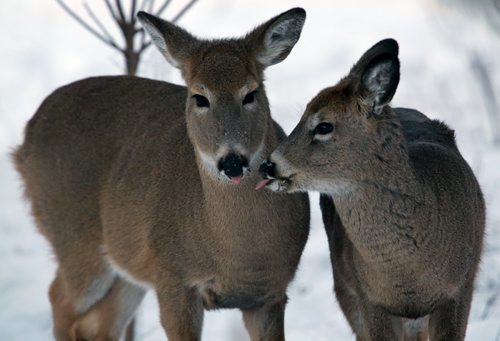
point(267, 172)
point(233, 166)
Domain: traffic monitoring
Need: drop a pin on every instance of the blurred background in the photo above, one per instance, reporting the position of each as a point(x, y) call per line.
point(449, 51)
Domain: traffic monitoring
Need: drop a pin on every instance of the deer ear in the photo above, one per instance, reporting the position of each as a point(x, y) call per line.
point(378, 74)
point(172, 41)
point(273, 40)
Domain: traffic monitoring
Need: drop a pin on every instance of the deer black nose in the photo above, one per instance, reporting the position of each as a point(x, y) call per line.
point(233, 165)
point(267, 170)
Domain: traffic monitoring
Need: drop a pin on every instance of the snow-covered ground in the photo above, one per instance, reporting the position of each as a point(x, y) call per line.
point(42, 49)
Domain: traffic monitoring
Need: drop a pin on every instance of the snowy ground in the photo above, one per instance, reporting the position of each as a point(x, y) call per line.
point(43, 49)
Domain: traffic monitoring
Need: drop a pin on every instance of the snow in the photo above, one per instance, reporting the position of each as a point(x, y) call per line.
point(42, 49)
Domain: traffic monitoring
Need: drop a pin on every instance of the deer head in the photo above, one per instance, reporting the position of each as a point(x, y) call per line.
point(227, 111)
point(348, 133)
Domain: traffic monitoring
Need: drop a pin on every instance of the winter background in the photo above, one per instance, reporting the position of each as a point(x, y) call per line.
point(449, 52)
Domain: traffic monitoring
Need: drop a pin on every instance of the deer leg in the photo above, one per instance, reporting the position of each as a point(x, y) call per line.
point(130, 333)
point(266, 323)
point(449, 320)
point(416, 330)
point(181, 312)
point(423, 335)
point(88, 301)
point(80, 283)
point(379, 325)
point(349, 303)
point(109, 318)
point(63, 314)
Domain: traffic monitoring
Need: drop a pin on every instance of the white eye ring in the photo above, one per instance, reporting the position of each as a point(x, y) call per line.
point(322, 137)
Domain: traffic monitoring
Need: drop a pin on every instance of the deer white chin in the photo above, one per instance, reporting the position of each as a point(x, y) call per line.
point(209, 165)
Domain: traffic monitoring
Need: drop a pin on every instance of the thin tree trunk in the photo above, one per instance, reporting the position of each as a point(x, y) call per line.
point(132, 62)
point(127, 25)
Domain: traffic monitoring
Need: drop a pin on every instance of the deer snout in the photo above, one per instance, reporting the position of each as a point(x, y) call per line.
point(267, 169)
point(274, 176)
point(233, 166)
point(267, 172)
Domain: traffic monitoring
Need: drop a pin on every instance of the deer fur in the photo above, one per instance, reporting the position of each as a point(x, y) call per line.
point(130, 181)
point(403, 211)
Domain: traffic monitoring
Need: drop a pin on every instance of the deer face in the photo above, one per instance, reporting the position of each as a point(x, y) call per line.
point(227, 111)
point(342, 137)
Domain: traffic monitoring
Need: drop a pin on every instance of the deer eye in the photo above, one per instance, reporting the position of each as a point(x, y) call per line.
point(201, 101)
point(323, 128)
point(249, 98)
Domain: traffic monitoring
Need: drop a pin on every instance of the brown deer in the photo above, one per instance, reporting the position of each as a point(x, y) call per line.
point(403, 211)
point(142, 184)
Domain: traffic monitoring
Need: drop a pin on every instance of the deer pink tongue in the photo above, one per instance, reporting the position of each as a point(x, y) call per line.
point(262, 183)
point(236, 180)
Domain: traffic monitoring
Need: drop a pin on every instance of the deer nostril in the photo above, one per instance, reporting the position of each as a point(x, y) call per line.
point(267, 169)
point(232, 165)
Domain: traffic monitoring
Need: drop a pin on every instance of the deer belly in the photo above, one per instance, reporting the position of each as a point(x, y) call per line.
point(407, 301)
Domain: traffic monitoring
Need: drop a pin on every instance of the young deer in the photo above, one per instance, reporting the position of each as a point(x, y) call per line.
point(139, 183)
point(402, 209)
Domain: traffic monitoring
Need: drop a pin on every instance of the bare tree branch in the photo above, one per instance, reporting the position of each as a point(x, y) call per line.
point(490, 304)
point(142, 39)
point(163, 7)
point(87, 26)
point(132, 12)
point(127, 22)
point(111, 10)
point(98, 23)
point(120, 11)
point(142, 5)
point(144, 46)
point(183, 11)
point(151, 6)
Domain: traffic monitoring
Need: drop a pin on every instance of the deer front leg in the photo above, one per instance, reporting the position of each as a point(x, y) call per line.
point(266, 323)
point(181, 312)
point(449, 320)
point(368, 322)
point(349, 303)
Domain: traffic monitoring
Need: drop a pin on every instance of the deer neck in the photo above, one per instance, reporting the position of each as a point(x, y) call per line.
point(221, 198)
point(383, 216)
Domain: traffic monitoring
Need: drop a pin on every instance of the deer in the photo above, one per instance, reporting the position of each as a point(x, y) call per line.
point(403, 211)
point(139, 184)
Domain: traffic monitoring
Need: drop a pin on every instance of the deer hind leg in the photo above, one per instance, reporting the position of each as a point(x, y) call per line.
point(379, 325)
point(82, 280)
point(449, 321)
point(63, 313)
point(130, 333)
point(108, 319)
point(416, 330)
point(266, 323)
point(423, 335)
point(89, 301)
